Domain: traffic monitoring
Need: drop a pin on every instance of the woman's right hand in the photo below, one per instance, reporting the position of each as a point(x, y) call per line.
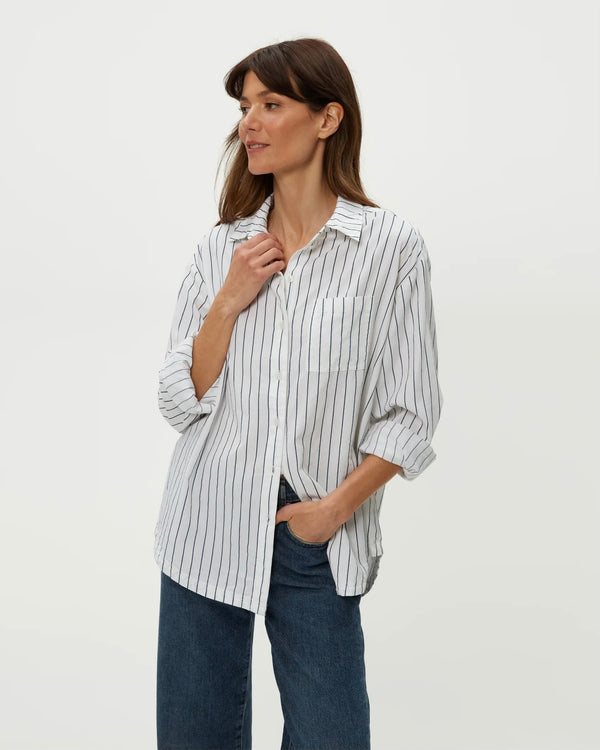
point(252, 263)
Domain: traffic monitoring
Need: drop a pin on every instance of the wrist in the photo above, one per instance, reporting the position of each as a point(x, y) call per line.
point(337, 507)
point(224, 307)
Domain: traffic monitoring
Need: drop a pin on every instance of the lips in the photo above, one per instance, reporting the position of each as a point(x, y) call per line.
point(255, 145)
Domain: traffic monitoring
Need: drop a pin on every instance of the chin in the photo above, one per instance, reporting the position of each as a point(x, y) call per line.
point(257, 171)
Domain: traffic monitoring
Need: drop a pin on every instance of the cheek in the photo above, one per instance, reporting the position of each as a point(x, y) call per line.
point(297, 133)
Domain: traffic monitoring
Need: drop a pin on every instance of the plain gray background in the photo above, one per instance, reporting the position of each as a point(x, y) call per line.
point(481, 127)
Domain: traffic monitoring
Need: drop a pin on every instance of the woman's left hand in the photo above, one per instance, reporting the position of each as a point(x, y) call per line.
point(313, 520)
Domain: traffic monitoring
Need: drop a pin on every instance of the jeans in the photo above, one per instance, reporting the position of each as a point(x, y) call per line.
point(204, 667)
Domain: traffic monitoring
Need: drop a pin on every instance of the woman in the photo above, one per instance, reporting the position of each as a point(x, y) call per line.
point(301, 372)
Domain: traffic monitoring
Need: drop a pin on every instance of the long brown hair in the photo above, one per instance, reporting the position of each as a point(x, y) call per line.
point(313, 72)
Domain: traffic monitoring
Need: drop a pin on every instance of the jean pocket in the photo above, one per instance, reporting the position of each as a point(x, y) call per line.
point(299, 541)
point(338, 334)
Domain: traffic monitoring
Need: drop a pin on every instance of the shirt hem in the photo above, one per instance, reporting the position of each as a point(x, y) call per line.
point(360, 589)
point(221, 593)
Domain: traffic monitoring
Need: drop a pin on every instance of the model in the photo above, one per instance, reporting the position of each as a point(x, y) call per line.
point(301, 371)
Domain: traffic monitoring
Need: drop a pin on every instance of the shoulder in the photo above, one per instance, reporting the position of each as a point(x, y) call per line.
point(390, 223)
point(401, 237)
point(218, 235)
point(213, 243)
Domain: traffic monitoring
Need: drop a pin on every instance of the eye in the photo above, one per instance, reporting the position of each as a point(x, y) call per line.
point(244, 108)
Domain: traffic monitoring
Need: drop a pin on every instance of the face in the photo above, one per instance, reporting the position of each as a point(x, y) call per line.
point(289, 136)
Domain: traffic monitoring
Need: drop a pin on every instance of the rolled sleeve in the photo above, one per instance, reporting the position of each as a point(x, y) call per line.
point(407, 400)
point(177, 400)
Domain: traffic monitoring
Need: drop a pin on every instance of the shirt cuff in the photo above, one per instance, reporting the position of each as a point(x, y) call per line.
point(398, 444)
point(178, 385)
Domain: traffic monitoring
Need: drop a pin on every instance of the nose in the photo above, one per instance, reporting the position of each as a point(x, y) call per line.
point(251, 120)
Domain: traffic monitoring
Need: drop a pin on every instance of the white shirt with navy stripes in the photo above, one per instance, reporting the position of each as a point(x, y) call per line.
point(335, 358)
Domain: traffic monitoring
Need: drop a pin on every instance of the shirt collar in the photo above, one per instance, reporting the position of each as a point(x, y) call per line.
point(348, 218)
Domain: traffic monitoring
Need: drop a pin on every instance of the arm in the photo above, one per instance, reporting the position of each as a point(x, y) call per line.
point(189, 379)
point(211, 344)
point(191, 376)
point(407, 399)
point(318, 520)
point(360, 484)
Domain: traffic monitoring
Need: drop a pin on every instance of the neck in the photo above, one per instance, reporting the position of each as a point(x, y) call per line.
point(301, 206)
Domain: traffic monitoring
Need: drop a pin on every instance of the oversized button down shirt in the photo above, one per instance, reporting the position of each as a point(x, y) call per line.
point(335, 358)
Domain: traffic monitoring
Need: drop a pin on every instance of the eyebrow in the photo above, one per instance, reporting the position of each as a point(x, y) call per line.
point(264, 92)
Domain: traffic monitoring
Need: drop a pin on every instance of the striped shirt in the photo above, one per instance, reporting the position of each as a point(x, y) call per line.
point(334, 359)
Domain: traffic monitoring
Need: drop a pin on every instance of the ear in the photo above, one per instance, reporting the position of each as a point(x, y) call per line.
point(331, 117)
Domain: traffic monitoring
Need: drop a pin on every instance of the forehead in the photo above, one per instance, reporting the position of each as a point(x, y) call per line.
point(253, 86)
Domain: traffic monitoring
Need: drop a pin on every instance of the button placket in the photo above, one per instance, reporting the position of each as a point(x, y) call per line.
point(280, 369)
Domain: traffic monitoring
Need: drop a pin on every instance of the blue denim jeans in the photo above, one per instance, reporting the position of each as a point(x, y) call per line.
point(204, 667)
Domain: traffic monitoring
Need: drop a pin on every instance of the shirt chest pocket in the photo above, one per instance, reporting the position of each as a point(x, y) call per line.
point(338, 333)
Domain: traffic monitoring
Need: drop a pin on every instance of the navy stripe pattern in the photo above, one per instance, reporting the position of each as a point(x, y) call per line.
point(335, 359)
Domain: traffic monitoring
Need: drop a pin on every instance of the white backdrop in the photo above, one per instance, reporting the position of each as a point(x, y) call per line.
point(481, 126)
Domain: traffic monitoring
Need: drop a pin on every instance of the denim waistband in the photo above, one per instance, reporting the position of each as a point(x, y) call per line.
point(287, 493)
